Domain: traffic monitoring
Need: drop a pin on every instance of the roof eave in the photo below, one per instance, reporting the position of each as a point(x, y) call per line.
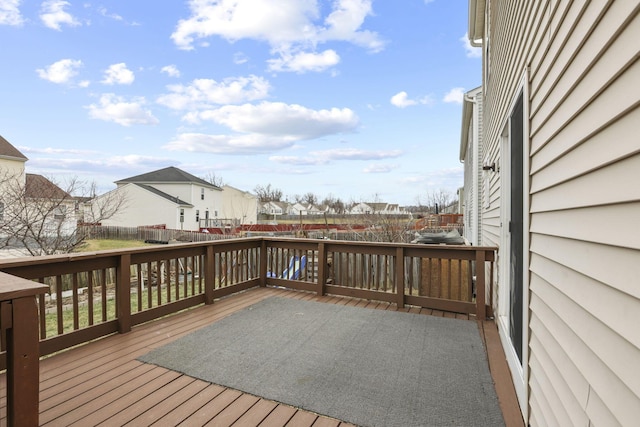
point(475, 30)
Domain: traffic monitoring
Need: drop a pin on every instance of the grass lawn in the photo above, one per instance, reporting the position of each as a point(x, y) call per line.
point(83, 309)
point(106, 244)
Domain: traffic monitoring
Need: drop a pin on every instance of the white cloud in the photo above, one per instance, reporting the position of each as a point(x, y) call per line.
point(303, 61)
point(61, 71)
point(205, 93)
point(103, 11)
point(327, 156)
point(52, 14)
point(450, 178)
point(379, 168)
point(355, 154)
point(171, 70)
point(101, 163)
point(455, 95)
point(50, 150)
point(344, 23)
point(240, 58)
point(291, 28)
point(227, 144)
point(266, 127)
point(283, 120)
point(472, 52)
point(10, 13)
point(298, 161)
point(401, 100)
point(112, 108)
point(118, 74)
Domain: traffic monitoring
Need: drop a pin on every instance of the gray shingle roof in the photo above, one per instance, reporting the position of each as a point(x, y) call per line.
point(39, 187)
point(9, 151)
point(170, 174)
point(164, 195)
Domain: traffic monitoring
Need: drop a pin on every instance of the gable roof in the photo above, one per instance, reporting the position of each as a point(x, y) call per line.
point(164, 195)
point(39, 187)
point(170, 174)
point(9, 151)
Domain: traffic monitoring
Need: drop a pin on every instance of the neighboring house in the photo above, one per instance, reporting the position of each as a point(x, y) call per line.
point(34, 212)
point(239, 206)
point(376, 208)
point(321, 210)
point(11, 171)
point(299, 209)
point(169, 196)
point(560, 123)
point(43, 196)
point(471, 156)
point(275, 208)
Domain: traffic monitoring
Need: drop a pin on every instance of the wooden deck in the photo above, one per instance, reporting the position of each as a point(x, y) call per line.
point(102, 383)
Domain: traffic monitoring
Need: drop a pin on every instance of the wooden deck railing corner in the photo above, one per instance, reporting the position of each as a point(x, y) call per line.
point(19, 325)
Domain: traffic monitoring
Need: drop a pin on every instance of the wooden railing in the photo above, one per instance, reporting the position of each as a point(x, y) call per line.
point(81, 297)
point(19, 323)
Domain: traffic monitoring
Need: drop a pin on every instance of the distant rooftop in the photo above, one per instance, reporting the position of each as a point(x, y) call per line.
point(9, 151)
point(170, 174)
point(39, 187)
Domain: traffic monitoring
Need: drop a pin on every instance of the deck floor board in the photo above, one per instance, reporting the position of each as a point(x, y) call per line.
point(103, 383)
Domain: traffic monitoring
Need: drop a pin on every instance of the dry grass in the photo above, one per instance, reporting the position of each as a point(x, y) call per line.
point(106, 244)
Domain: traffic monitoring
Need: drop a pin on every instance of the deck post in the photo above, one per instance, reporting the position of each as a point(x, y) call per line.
point(123, 293)
point(23, 363)
point(322, 268)
point(400, 277)
point(209, 274)
point(19, 317)
point(481, 308)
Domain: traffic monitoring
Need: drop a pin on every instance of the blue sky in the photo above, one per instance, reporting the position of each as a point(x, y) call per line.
point(357, 99)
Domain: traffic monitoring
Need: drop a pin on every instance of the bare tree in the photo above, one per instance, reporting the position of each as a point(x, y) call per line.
point(310, 198)
point(268, 193)
point(437, 200)
point(214, 179)
point(39, 216)
point(94, 209)
point(334, 203)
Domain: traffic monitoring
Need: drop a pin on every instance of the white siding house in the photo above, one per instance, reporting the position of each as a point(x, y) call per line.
point(561, 98)
point(168, 196)
point(239, 206)
point(275, 208)
point(471, 156)
point(11, 172)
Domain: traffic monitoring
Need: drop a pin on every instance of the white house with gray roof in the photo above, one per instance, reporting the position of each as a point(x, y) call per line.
point(170, 197)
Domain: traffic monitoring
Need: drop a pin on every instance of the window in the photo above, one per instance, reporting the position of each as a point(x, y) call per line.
point(181, 215)
point(197, 216)
point(202, 194)
point(60, 213)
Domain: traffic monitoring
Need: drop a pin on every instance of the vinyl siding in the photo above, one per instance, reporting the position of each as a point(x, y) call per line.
point(584, 169)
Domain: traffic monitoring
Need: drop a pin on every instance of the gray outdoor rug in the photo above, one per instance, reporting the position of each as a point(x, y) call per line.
point(368, 367)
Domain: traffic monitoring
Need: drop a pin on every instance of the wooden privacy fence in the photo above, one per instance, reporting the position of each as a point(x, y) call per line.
point(65, 300)
point(147, 233)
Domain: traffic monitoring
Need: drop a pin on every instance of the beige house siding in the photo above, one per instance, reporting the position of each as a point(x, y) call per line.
point(241, 206)
point(582, 92)
point(471, 156)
